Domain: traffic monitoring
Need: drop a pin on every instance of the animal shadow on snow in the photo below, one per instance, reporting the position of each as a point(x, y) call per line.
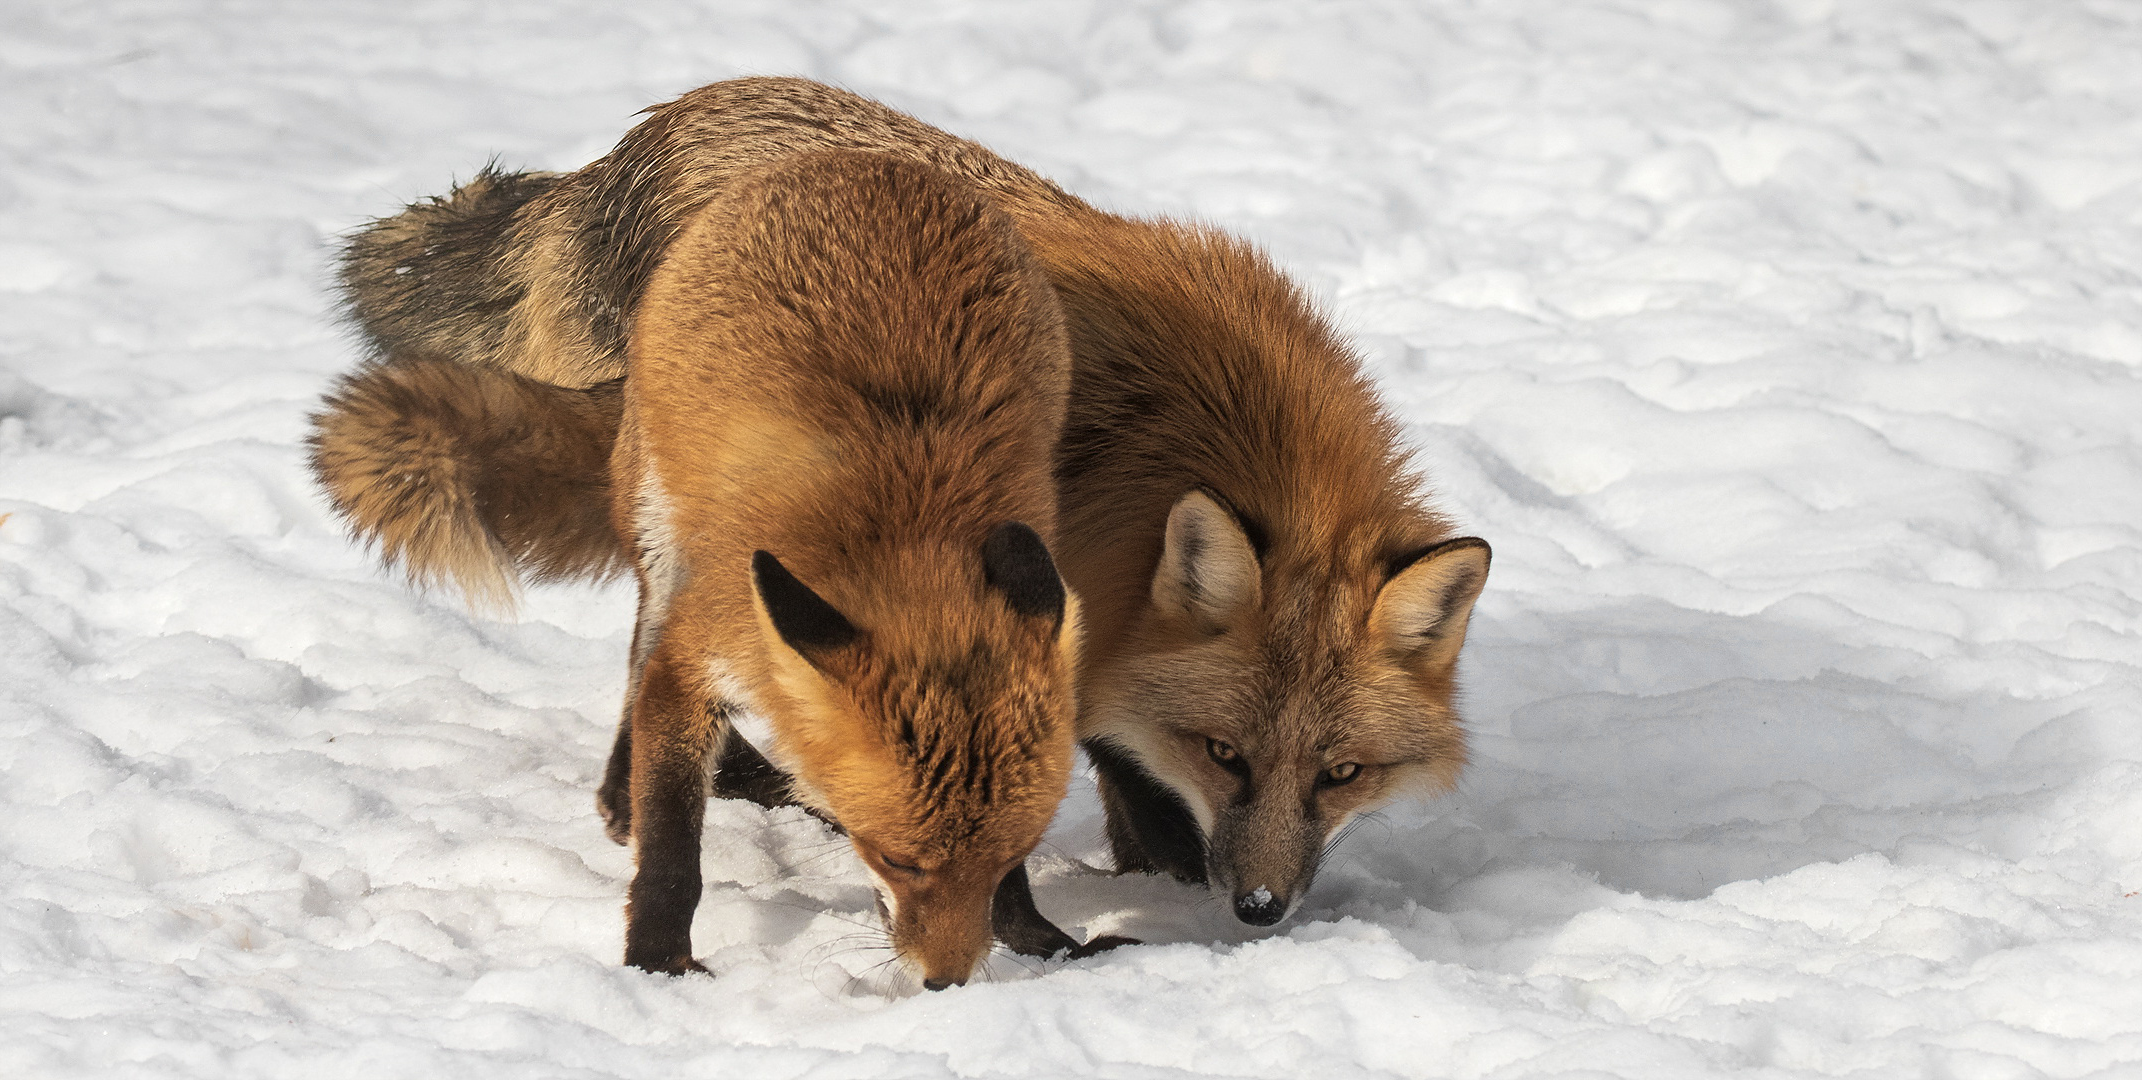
point(1639, 747)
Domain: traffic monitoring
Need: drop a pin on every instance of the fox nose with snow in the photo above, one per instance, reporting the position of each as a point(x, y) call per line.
point(1258, 907)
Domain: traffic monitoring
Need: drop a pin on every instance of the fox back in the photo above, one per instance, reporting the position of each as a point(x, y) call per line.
point(847, 383)
point(541, 273)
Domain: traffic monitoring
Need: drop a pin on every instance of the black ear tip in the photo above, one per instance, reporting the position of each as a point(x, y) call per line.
point(800, 616)
point(1016, 537)
point(1441, 547)
point(1016, 562)
point(772, 579)
point(1486, 552)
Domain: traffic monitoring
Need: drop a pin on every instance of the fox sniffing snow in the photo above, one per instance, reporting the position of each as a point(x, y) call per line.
point(1272, 613)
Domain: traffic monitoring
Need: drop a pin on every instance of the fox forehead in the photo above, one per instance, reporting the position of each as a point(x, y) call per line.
point(953, 750)
point(961, 799)
point(1319, 725)
point(1310, 690)
point(1010, 690)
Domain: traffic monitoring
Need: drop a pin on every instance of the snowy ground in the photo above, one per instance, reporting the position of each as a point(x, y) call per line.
point(1788, 354)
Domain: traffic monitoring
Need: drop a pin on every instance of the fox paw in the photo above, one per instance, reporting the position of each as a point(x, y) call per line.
point(616, 810)
point(682, 965)
point(1100, 945)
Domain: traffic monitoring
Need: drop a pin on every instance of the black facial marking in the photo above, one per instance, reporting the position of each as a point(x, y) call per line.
point(800, 616)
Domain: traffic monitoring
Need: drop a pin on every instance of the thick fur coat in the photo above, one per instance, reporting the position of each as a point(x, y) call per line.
point(1273, 612)
point(847, 381)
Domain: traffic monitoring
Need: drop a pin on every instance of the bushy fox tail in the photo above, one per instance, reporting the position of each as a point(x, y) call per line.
point(437, 454)
point(471, 477)
point(445, 277)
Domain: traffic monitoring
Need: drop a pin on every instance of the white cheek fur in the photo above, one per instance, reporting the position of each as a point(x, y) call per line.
point(889, 899)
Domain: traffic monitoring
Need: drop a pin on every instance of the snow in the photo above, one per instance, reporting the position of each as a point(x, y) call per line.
point(1789, 354)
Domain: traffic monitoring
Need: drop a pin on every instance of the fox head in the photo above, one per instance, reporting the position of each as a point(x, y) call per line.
point(941, 740)
point(1277, 700)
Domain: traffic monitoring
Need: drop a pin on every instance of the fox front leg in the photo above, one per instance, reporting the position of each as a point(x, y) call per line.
point(742, 773)
point(1025, 930)
point(672, 732)
point(614, 798)
point(1150, 828)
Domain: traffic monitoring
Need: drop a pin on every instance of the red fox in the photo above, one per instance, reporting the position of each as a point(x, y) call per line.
point(1272, 612)
point(834, 467)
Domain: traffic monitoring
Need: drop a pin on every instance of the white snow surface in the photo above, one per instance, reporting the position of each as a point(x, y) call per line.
point(1786, 352)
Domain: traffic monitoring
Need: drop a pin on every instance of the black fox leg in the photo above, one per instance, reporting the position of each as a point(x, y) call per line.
point(1150, 828)
point(614, 798)
point(744, 773)
point(1025, 930)
point(672, 734)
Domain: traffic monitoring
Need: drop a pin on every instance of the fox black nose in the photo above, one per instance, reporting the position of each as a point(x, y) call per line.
point(935, 984)
point(1258, 907)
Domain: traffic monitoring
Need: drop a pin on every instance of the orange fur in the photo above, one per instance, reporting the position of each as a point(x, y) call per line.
point(847, 380)
point(469, 478)
point(1198, 368)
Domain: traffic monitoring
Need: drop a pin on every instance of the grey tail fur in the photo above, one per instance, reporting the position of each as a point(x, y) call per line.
point(437, 278)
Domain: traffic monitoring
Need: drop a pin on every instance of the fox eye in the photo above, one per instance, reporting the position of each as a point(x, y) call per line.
point(905, 868)
point(1227, 757)
point(1342, 773)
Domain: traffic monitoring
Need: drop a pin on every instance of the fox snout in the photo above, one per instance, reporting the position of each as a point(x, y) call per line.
point(1258, 903)
point(1265, 852)
point(939, 919)
point(943, 937)
point(1259, 906)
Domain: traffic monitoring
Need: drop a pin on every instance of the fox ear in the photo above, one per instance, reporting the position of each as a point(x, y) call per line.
point(801, 617)
point(1208, 571)
point(1422, 611)
point(1016, 563)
